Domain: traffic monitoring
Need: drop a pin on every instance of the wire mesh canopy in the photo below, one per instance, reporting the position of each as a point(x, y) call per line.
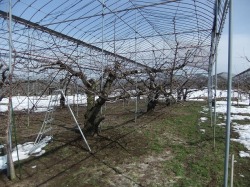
point(93, 33)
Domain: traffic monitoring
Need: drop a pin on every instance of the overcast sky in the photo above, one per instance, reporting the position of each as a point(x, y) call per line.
point(241, 39)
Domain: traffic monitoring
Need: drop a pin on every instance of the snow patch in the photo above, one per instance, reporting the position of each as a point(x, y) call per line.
point(23, 152)
point(202, 131)
point(244, 154)
point(221, 124)
point(244, 135)
point(203, 119)
point(21, 103)
point(239, 117)
point(196, 99)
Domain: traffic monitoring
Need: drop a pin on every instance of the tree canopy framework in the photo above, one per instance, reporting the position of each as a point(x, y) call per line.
point(140, 33)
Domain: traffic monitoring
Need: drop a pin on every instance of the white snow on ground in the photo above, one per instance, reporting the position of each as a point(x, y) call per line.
point(244, 154)
point(244, 135)
point(202, 131)
point(41, 103)
point(23, 102)
point(242, 130)
point(239, 117)
point(23, 152)
point(197, 94)
point(221, 124)
point(221, 107)
point(191, 99)
point(219, 93)
point(203, 119)
point(237, 113)
point(204, 109)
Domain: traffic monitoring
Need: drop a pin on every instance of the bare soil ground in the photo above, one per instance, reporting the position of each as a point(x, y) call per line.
point(126, 153)
point(118, 154)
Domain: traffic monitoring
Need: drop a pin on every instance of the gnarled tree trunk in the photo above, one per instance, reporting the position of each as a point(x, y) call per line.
point(152, 101)
point(93, 117)
point(62, 101)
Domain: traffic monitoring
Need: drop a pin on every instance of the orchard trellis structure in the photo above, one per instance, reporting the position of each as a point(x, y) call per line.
point(141, 34)
point(111, 40)
point(152, 25)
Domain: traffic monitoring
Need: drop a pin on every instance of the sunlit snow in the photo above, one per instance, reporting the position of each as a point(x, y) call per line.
point(41, 103)
point(22, 151)
point(203, 119)
point(244, 154)
point(244, 135)
point(240, 110)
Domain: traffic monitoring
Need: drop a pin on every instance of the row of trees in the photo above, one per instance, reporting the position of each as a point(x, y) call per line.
point(170, 75)
point(167, 79)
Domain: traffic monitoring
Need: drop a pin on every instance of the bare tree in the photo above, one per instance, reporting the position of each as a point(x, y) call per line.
point(93, 116)
point(4, 80)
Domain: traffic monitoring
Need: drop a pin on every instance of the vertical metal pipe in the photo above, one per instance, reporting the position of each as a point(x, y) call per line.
point(28, 95)
point(28, 88)
point(211, 94)
point(114, 38)
point(210, 80)
point(10, 164)
point(232, 171)
point(229, 87)
point(215, 68)
point(103, 1)
point(10, 36)
point(136, 101)
point(10, 72)
point(238, 93)
point(210, 86)
point(215, 97)
point(77, 100)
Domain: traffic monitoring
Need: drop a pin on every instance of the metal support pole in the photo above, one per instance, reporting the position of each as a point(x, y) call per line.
point(229, 87)
point(209, 84)
point(215, 96)
point(210, 80)
point(78, 126)
point(210, 88)
point(103, 1)
point(77, 98)
point(136, 86)
point(215, 68)
point(232, 171)
point(10, 164)
point(10, 71)
point(28, 95)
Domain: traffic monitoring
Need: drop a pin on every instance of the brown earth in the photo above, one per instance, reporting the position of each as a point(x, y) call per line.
point(120, 155)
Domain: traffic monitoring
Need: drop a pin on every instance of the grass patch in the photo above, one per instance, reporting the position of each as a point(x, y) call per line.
point(195, 161)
